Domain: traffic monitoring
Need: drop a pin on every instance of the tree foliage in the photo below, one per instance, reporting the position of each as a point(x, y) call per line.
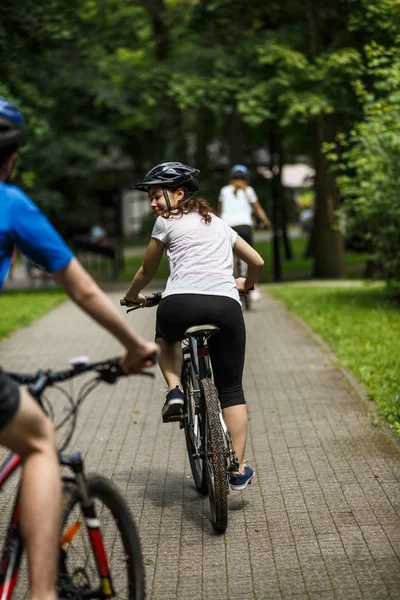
point(205, 81)
point(369, 169)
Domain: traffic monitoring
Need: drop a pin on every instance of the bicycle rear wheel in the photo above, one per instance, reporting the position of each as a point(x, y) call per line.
point(193, 430)
point(215, 459)
point(80, 561)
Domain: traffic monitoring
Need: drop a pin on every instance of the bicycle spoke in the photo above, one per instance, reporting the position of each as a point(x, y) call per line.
point(122, 548)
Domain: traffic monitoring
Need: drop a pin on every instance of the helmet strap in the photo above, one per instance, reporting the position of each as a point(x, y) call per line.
point(165, 192)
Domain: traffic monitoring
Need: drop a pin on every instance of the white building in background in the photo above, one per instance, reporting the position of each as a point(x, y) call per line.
point(294, 176)
point(135, 206)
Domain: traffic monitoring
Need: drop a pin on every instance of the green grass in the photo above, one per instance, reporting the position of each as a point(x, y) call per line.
point(301, 268)
point(297, 268)
point(19, 309)
point(362, 326)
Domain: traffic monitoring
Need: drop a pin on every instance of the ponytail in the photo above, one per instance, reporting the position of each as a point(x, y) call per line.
point(189, 204)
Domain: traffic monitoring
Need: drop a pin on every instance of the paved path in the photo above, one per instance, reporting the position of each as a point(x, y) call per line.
point(320, 521)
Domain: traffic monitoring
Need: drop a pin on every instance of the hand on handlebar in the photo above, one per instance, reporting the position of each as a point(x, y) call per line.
point(240, 281)
point(264, 224)
point(141, 299)
point(241, 286)
point(140, 357)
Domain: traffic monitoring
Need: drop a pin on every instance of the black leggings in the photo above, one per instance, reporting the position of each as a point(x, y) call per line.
point(245, 232)
point(9, 399)
point(179, 311)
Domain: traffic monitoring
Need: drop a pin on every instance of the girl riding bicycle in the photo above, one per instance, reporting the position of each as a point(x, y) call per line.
point(200, 289)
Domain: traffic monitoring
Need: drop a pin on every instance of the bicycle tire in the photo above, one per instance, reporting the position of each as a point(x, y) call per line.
point(247, 302)
point(80, 578)
point(215, 458)
point(197, 465)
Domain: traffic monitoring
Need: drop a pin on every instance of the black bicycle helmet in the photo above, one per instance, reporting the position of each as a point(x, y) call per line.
point(12, 126)
point(170, 175)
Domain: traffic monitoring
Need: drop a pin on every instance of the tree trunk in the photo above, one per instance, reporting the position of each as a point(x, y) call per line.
point(204, 128)
point(175, 144)
point(276, 200)
point(282, 202)
point(328, 241)
point(236, 138)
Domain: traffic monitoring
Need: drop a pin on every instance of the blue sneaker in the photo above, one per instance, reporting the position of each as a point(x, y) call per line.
point(239, 481)
point(173, 404)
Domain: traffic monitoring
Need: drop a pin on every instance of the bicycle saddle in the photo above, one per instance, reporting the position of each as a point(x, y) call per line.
point(202, 329)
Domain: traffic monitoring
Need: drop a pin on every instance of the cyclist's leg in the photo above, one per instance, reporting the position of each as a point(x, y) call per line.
point(246, 233)
point(227, 352)
point(170, 362)
point(28, 432)
point(169, 332)
point(236, 420)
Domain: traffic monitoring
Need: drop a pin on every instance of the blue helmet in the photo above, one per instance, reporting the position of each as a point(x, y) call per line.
point(239, 172)
point(12, 125)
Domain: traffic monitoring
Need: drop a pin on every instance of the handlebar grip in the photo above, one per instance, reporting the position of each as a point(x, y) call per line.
point(154, 358)
point(124, 302)
point(36, 388)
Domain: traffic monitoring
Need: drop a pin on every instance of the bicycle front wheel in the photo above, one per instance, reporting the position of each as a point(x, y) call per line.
point(83, 566)
point(215, 458)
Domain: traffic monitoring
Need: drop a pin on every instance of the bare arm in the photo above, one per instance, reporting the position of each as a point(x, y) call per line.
point(261, 214)
point(253, 260)
point(86, 293)
point(148, 269)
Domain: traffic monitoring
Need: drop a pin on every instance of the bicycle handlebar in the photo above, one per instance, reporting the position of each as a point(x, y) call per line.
point(152, 300)
point(108, 371)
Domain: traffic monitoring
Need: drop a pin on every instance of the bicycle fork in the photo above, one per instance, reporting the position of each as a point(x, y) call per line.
point(75, 463)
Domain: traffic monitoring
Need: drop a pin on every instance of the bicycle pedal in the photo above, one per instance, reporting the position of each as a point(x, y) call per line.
point(172, 418)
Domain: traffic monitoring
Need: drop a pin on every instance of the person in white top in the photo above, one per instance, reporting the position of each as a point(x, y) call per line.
point(201, 289)
point(236, 204)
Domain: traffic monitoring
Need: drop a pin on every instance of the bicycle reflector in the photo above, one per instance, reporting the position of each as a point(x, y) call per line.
point(70, 534)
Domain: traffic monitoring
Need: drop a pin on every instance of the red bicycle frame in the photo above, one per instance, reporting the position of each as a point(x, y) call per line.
point(11, 554)
point(12, 550)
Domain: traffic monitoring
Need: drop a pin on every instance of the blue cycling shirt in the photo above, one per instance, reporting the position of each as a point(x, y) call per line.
point(23, 224)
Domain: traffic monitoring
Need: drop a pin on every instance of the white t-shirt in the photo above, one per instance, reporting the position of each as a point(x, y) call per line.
point(236, 210)
point(199, 254)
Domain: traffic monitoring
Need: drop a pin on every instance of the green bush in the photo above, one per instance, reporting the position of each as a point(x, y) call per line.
point(369, 174)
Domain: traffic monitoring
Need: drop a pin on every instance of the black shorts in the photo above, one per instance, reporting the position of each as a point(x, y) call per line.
point(9, 399)
point(245, 232)
point(177, 312)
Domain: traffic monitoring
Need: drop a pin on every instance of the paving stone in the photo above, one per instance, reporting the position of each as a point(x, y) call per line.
point(321, 519)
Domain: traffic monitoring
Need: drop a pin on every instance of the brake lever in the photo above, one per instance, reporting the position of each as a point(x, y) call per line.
point(135, 307)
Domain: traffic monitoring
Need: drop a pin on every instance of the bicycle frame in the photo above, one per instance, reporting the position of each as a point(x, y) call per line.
point(197, 350)
point(11, 554)
point(12, 550)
